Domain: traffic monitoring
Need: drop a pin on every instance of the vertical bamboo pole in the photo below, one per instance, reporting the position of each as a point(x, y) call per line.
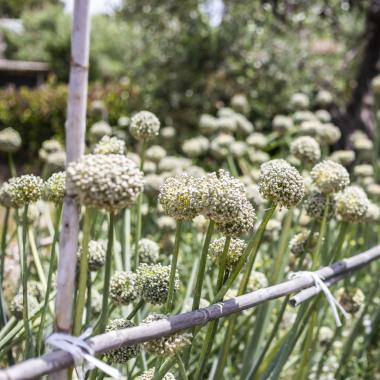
point(75, 137)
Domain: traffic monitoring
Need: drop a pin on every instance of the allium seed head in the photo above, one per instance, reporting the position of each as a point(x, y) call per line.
point(373, 213)
point(17, 305)
point(235, 251)
point(306, 149)
point(328, 134)
point(316, 204)
point(226, 195)
point(299, 101)
point(281, 183)
point(208, 124)
point(24, 190)
point(10, 140)
point(168, 345)
point(148, 251)
point(144, 125)
point(301, 243)
point(100, 129)
point(183, 197)
point(241, 224)
point(330, 177)
point(110, 182)
point(54, 188)
point(123, 289)
point(149, 374)
point(110, 145)
point(123, 354)
point(257, 140)
point(351, 204)
point(155, 153)
point(96, 255)
point(282, 123)
point(239, 103)
point(221, 144)
point(195, 147)
point(343, 157)
point(153, 283)
point(351, 300)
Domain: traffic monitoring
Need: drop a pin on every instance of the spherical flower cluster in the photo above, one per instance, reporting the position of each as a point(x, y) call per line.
point(238, 149)
point(282, 123)
point(123, 288)
point(257, 280)
point(364, 170)
point(226, 123)
point(302, 243)
point(324, 97)
point(226, 195)
point(123, 354)
point(281, 183)
point(306, 149)
point(330, 177)
point(148, 375)
point(241, 224)
point(207, 124)
point(168, 345)
point(155, 153)
point(235, 251)
point(221, 144)
point(195, 147)
point(17, 305)
point(351, 204)
point(316, 204)
point(110, 145)
point(48, 147)
point(257, 140)
point(328, 134)
point(148, 251)
point(24, 190)
point(244, 126)
point(153, 282)
point(56, 160)
point(373, 213)
point(96, 255)
point(343, 157)
point(144, 125)
point(5, 196)
point(299, 101)
point(173, 164)
point(10, 140)
point(239, 103)
point(100, 129)
point(166, 223)
point(54, 188)
point(183, 197)
point(110, 182)
point(323, 116)
point(351, 300)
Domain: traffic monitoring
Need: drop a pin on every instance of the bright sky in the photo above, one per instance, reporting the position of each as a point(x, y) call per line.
point(96, 6)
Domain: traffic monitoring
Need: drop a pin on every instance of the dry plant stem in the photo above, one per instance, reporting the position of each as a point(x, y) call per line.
point(57, 360)
point(83, 273)
point(75, 133)
point(138, 208)
point(107, 275)
point(212, 327)
point(25, 271)
point(173, 268)
point(52, 264)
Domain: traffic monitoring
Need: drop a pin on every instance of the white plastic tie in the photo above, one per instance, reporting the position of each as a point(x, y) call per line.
point(81, 352)
point(320, 285)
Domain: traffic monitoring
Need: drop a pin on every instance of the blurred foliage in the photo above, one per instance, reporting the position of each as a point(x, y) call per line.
point(180, 64)
point(15, 8)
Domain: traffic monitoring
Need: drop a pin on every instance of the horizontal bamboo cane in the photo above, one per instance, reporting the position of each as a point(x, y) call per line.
point(56, 360)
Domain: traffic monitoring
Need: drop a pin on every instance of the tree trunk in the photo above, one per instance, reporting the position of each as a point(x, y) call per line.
point(360, 109)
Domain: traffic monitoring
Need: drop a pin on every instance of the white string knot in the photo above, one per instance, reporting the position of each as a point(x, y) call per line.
point(320, 285)
point(81, 352)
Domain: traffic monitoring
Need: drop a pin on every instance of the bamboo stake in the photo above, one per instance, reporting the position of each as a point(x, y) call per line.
point(75, 137)
point(57, 360)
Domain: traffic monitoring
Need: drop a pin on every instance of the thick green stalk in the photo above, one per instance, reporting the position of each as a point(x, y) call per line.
point(200, 278)
point(181, 368)
point(36, 258)
point(107, 276)
point(12, 166)
point(25, 272)
point(83, 273)
point(138, 209)
point(232, 166)
point(173, 268)
point(126, 239)
point(212, 326)
point(52, 264)
point(337, 248)
point(250, 252)
point(265, 311)
point(3, 319)
point(322, 231)
point(137, 307)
